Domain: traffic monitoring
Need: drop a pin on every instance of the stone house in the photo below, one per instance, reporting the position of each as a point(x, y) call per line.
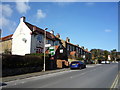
point(6, 44)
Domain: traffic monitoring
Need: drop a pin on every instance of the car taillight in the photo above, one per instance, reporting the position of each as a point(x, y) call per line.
point(78, 63)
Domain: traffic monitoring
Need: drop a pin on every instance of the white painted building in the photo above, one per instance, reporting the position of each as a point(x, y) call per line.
point(28, 38)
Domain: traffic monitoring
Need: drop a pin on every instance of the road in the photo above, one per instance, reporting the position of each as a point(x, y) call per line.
point(99, 76)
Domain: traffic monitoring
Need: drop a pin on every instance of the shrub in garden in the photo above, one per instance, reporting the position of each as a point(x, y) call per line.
point(15, 64)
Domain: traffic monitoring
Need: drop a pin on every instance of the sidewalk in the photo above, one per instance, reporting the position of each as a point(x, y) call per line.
point(28, 75)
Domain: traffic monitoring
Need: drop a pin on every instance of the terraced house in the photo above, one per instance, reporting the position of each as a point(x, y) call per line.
point(75, 51)
point(29, 38)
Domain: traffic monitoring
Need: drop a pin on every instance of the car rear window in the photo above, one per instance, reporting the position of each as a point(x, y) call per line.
point(76, 62)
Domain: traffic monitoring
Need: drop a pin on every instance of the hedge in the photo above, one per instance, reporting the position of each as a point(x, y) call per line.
point(14, 64)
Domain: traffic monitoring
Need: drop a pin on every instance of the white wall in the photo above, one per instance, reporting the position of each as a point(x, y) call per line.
point(19, 46)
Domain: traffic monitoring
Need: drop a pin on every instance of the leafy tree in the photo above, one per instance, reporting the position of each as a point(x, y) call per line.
point(7, 51)
point(106, 53)
point(113, 54)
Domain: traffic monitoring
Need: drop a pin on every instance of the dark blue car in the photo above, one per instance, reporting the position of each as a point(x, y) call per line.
point(77, 65)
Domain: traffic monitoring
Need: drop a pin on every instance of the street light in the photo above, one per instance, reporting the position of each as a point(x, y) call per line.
point(44, 45)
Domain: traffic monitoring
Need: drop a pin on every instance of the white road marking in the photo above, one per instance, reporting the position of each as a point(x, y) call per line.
point(115, 83)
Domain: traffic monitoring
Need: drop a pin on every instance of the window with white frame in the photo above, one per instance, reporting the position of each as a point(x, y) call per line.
point(76, 49)
point(39, 50)
point(51, 42)
point(40, 37)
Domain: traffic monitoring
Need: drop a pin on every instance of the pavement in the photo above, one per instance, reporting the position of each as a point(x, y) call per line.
point(23, 76)
point(28, 75)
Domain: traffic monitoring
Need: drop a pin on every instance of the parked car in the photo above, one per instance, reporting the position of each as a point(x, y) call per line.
point(105, 62)
point(77, 65)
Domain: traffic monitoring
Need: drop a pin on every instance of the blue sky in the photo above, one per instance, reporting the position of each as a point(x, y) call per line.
point(92, 25)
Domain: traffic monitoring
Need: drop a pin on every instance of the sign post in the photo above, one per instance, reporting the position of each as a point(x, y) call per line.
point(52, 50)
point(47, 45)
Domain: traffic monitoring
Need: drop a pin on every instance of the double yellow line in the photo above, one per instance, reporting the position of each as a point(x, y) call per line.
point(115, 83)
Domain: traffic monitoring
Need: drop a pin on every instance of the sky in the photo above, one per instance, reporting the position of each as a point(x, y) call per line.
point(89, 24)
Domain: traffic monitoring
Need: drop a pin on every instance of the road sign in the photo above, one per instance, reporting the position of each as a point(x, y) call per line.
point(47, 45)
point(52, 50)
point(61, 50)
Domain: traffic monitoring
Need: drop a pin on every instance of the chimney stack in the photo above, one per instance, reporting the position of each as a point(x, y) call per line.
point(67, 39)
point(34, 28)
point(82, 47)
point(22, 19)
point(58, 35)
point(86, 49)
point(78, 45)
point(52, 32)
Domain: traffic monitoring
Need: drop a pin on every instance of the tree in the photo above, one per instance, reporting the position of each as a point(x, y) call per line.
point(99, 54)
point(7, 51)
point(106, 53)
point(113, 54)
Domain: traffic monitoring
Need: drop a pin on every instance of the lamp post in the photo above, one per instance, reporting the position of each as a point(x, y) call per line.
point(44, 45)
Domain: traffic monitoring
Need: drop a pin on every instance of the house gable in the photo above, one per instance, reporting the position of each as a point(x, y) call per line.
point(21, 42)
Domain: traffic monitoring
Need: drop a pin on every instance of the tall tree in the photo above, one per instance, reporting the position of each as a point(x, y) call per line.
point(113, 54)
point(106, 53)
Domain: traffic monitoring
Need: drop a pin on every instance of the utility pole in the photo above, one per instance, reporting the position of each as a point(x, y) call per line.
point(44, 45)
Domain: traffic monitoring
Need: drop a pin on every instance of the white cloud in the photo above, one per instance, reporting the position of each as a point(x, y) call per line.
point(22, 7)
point(40, 14)
point(6, 10)
point(108, 30)
point(5, 23)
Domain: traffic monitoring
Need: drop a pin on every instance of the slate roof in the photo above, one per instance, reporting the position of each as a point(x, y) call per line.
point(39, 30)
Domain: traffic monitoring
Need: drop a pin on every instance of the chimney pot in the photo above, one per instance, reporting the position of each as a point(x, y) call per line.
point(67, 39)
point(86, 49)
point(77, 44)
point(82, 47)
point(52, 32)
point(58, 35)
point(34, 28)
point(22, 19)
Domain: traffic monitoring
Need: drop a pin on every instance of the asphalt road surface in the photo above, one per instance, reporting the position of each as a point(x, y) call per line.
point(99, 76)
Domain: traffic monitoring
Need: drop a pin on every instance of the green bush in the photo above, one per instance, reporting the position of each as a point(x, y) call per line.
point(15, 61)
point(23, 64)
